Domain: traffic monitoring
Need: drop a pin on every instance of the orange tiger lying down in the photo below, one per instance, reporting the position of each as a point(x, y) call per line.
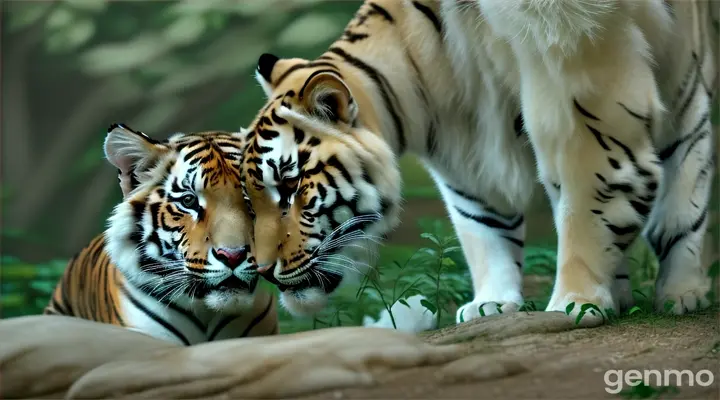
point(175, 261)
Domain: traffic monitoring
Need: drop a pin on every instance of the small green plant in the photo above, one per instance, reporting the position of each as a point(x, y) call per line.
point(643, 391)
point(584, 309)
point(528, 306)
point(634, 310)
point(430, 271)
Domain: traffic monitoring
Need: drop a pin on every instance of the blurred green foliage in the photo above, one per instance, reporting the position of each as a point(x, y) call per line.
point(25, 289)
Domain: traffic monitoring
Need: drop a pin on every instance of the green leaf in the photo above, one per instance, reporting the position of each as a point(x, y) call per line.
point(584, 309)
point(634, 310)
point(430, 306)
point(569, 308)
point(579, 317)
point(430, 237)
point(403, 302)
point(452, 249)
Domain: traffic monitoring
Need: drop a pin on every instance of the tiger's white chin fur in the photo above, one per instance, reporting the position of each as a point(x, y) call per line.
point(229, 301)
point(304, 302)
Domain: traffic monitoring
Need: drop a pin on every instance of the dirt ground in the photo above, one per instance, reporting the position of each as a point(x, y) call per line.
point(540, 355)
point(543, 356)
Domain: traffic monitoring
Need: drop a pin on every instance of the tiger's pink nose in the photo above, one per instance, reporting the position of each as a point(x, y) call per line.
point(231, 257)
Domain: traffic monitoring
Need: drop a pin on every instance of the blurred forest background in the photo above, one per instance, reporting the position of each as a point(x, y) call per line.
point(71, 68)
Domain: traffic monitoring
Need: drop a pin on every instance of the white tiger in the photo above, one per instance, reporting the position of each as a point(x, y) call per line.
point(612, 97)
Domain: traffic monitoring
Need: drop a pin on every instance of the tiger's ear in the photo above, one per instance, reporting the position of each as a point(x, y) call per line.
point(325, 95)
point(130, 152)
point(263, 74)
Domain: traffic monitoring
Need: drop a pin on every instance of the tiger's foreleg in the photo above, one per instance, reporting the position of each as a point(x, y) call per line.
point(590, 121)
point(492, 242)
point(678, 223)
point(603, 186)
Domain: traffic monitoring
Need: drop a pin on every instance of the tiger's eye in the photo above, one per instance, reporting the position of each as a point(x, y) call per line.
point(189, 201)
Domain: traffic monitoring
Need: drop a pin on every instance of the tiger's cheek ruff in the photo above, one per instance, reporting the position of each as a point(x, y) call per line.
point(122, 244)
point(146, 238)
point(341, 215)
point(304, 302)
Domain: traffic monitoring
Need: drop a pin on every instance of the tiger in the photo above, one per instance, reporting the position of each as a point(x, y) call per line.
point(175, 261)
point(606, 103)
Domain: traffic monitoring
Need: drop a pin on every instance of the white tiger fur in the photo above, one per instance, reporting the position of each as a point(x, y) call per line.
point(622, 61)
point(615, 98)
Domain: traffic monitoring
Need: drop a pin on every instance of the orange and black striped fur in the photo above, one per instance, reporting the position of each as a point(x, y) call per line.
point(606, 101)
point(175, 260)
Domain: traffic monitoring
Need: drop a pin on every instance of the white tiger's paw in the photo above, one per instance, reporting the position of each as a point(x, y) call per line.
point(410, 318)
point(482, 308)
point(687, 294)
point(592, 308)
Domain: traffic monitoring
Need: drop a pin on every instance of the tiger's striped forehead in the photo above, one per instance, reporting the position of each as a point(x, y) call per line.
point(274, 152)
point(206, 160)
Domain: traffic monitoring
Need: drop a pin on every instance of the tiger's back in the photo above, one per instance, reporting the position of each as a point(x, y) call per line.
point(90, 288)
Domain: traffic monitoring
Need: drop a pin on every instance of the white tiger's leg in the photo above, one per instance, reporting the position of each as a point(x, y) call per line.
point(587, 119)
point(607, 184)
point(679, 220)
point(493, 246)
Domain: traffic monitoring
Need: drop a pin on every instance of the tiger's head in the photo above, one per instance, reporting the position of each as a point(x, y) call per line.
point(181, 233)
point(322, 183)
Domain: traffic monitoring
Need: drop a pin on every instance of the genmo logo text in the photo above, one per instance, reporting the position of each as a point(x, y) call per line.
point(617, 379)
